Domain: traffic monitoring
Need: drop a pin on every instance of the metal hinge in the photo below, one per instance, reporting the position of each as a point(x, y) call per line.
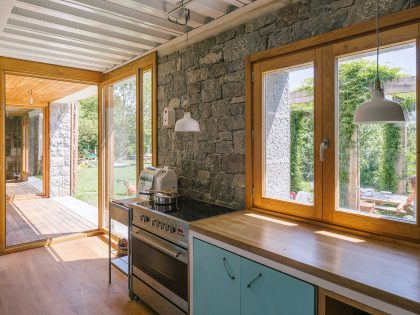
point(252, 76)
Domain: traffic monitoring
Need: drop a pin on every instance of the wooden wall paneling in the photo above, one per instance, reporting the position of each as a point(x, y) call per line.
point(43, 90)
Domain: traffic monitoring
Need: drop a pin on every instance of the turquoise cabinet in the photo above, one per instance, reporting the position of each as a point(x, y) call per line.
point(216, 281)
point(226, 283)
point(269, 292)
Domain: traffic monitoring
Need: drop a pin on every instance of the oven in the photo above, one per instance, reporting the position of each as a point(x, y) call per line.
point(160, 272)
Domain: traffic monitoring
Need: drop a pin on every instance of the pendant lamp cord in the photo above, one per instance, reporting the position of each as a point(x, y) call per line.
point(187, 18)
point(377, 43)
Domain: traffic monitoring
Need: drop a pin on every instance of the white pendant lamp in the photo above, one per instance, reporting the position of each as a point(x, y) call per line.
point(378, 110)
point(187, 123)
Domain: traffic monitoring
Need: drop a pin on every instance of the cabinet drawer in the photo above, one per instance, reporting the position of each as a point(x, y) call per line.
point(268, 291)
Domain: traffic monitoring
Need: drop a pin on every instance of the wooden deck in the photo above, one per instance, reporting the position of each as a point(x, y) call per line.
point(15, 189)
point(34, 219)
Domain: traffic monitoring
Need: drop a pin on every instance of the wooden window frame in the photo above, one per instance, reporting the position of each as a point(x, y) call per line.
point(396, 29)
point(288, 61)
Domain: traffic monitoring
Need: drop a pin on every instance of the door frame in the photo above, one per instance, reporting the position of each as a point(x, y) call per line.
point(45, 143)
point(45, 71)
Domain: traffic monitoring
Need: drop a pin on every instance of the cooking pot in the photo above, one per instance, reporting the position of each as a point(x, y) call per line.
point(165, 202)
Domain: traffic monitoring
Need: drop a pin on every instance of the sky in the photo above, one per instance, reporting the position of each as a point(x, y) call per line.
point(403, 58)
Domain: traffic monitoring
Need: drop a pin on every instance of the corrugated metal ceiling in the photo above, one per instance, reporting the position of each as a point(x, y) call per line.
point(96, 34)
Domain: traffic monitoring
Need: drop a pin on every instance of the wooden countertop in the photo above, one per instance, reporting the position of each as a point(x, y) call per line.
point(388, 272)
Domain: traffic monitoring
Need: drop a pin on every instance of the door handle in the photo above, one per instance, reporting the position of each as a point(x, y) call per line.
point(322, 148)
point(227, 269)
point(255, 279)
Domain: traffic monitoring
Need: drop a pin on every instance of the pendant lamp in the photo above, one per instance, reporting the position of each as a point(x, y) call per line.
point(187, 123)
point(378, 110)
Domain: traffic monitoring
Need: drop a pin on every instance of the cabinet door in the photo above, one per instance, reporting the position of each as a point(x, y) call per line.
point(216, 280)
point(267, 291)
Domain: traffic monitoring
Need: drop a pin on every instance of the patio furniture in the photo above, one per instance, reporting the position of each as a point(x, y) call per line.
point(367, 206)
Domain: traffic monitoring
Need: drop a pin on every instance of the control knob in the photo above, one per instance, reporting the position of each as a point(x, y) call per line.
point(172, 229)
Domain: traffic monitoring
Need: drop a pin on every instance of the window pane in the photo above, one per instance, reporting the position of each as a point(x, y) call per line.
point(377, 162)
point(288, 118)
point(147, 118)
point(121, 139)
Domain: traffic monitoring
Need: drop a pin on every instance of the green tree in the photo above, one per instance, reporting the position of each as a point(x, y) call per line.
point(88, 126)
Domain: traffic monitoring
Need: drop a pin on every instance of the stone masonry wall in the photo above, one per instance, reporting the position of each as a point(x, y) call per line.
point(60, 149)
point(210, 76)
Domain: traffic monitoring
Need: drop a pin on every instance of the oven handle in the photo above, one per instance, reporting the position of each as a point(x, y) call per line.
point(167, 249)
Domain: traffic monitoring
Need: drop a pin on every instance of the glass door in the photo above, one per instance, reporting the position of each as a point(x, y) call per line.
point(120, 144)
point(25, 165)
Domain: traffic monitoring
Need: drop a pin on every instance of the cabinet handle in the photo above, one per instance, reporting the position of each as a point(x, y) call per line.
point(255, 279)
point(227, 270)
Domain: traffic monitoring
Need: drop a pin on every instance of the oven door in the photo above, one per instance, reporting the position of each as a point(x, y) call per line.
point(162, 265)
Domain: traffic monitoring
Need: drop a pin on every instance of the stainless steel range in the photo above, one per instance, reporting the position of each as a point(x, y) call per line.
point(160, 252)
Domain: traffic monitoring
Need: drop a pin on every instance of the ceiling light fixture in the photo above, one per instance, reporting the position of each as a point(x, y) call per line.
point(378, 110)
point(31, 99)
point(180, 14)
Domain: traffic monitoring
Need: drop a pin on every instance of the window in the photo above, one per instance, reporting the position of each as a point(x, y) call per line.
point(286, 167)
point(121, 135)
point(288, 154)
point(147, 117)
point(377, 162)
point(309, 160)
point(128, 132)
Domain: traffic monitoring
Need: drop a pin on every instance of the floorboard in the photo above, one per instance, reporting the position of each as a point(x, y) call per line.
point(30, 220)
point(66, 278)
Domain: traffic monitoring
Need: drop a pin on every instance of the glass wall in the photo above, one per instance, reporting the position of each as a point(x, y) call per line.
point(121, 144)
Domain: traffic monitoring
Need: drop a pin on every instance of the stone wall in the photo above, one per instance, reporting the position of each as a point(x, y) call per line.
point(210, 76)
point(60, 149)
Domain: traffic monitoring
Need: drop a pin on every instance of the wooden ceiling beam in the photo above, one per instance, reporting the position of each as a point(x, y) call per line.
point(49, 71)
point(23, 104)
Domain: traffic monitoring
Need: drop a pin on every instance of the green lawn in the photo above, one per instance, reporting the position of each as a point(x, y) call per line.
point(87, 182)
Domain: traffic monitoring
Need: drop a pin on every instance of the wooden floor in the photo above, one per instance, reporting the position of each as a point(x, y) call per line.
point(66, 278)
point(29, 220)
point(14, 189)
